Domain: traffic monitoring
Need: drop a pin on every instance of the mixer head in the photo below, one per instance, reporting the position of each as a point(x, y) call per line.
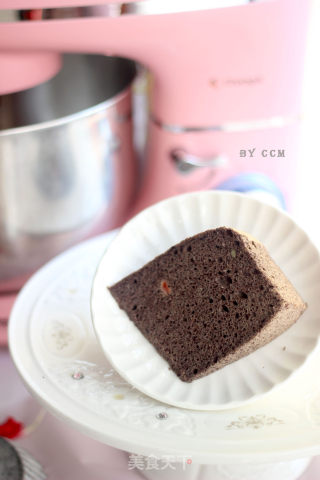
point(27, 58)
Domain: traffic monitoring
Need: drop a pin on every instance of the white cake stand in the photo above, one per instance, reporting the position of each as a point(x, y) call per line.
point(53, 345)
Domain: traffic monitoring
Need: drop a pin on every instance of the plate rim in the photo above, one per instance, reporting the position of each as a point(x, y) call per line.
point(129, 438)
point(191, 406)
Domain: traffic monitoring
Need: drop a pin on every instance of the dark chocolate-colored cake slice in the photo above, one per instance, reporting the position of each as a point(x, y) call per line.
point(209, 300)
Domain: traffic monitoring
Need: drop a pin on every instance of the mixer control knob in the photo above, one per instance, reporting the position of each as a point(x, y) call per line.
point(186, 162)
point(257, 185)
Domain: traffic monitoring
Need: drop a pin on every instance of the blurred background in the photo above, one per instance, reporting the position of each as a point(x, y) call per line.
point(100, 189)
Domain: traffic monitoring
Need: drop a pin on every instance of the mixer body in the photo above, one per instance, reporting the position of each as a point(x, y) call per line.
point(224, 98)
point(226, 81)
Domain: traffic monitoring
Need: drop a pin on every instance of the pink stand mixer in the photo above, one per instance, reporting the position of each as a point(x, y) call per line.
point(226, 84)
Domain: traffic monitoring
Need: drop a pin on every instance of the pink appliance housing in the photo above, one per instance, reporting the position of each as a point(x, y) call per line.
point(224, 80)
point(210, 68)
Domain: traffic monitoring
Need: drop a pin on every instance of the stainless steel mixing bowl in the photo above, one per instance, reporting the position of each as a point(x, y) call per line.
point(67, 168)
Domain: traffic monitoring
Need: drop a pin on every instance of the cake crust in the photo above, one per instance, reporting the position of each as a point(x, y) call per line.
point(209, 300)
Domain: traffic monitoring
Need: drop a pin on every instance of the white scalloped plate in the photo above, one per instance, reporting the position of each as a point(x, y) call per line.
point(151, 233)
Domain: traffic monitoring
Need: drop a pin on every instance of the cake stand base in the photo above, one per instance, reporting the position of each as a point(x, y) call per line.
point(252, 471)
point(57, 354)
